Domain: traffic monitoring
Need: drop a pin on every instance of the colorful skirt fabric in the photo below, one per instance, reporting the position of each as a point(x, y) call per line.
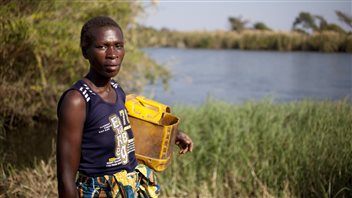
point(141, 183)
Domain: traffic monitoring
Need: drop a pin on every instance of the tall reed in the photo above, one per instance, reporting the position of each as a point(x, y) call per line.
point(326, 41)
point(265, 150)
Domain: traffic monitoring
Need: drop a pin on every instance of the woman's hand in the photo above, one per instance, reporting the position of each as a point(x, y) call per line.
point(184, 142)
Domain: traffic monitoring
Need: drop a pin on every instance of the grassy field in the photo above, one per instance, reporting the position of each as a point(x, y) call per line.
point(255, 149)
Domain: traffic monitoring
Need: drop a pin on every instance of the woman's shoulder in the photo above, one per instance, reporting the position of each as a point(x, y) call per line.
point(72, 101)
point(72, 98)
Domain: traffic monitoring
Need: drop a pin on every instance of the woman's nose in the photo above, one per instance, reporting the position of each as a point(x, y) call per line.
point(111, 52)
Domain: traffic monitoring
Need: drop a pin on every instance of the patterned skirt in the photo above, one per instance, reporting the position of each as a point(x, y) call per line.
point(141, 183)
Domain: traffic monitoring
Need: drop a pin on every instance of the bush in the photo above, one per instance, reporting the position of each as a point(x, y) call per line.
point(40, 54)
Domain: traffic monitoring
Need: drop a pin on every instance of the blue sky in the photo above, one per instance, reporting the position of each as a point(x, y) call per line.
point(208, 15)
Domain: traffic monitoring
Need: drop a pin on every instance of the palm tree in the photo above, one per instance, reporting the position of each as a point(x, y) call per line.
point(306, 21)
point(344, 18)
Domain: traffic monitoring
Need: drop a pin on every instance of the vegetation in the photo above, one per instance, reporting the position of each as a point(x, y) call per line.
point(309, 33)
point(237, 23)
point(265, 150)
point(40, 54)
point(297, 149)
point(261, 26)
point(306, 22)
point(326, 41)
point(344, 18)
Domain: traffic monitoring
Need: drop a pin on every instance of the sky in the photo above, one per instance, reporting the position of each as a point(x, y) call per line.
point(193, 15)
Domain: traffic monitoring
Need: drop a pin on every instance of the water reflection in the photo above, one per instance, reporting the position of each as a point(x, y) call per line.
point(22, 147)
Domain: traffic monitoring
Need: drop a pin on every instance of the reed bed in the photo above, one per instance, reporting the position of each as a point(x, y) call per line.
point(298, 149)
point(255, 149)
point(326, 41)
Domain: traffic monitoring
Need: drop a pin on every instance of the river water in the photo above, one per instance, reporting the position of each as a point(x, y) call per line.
point(236, 76)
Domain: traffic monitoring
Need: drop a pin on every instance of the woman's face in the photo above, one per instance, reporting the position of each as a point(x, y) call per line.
point(106, 51)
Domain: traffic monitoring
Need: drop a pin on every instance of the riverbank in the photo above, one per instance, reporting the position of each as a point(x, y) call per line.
point(295, 149)
point(326, 41)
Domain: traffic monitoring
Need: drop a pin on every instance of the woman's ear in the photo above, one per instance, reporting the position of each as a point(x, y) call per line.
point(84, 53)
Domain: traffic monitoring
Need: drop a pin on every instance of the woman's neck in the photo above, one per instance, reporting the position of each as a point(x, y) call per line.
point(98, 83)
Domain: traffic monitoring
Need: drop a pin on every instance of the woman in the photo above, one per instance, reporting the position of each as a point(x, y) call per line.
point(94, 134)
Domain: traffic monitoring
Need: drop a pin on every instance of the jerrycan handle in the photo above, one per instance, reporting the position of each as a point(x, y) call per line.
point(146, 109)
point(147, 102)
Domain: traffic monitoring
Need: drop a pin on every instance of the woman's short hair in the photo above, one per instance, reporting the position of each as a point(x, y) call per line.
point(94, 23)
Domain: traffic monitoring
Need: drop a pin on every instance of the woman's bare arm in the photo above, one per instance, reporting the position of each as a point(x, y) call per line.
point(72, 113)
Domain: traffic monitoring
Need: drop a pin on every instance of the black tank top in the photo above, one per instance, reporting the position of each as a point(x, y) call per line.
point(107, 142)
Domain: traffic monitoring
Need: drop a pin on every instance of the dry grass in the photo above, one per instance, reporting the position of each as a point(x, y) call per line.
point(39, 181)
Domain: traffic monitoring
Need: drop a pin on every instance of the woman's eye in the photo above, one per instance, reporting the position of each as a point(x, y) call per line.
point(102, 47)
point(119, 46)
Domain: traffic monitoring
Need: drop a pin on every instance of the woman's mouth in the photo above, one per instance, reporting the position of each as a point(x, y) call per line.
point(111, 68)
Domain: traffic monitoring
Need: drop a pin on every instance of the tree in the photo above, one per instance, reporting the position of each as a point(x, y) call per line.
point(325, 26)
point(306, 21)
point(322, 22)
point(333, 27)
point(237, 23)
point(40, 54)
point(261, 26)
point(344, 18)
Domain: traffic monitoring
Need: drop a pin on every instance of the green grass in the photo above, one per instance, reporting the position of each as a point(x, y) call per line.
point(255, 149)
point(299, 149)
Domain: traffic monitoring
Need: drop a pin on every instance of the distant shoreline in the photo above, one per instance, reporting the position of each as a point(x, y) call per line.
point(326, 41)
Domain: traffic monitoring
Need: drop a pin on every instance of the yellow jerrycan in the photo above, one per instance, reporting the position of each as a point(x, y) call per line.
point(154, 129)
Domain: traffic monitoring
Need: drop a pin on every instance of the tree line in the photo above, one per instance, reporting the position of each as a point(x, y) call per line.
point(305, 22)
point(308, 33)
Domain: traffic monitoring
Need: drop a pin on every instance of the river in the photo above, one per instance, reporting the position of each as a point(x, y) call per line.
point(236, 76)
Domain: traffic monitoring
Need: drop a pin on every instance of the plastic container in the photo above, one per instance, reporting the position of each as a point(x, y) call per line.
point(154, 129)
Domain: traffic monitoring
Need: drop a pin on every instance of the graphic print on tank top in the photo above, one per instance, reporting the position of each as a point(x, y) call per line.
point(121, 139)
point(123, 144)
